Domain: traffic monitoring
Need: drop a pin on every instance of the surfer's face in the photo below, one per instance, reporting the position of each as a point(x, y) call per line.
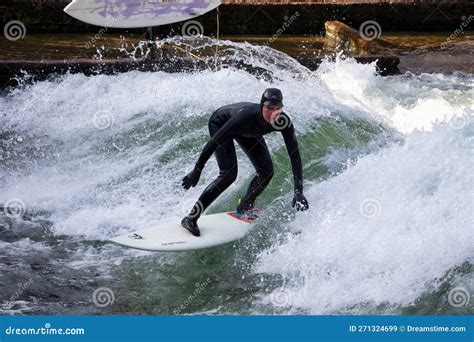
point(271, 113)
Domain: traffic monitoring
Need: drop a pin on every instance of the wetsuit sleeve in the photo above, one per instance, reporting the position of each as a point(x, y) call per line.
point(225, 133)
point(294, 154)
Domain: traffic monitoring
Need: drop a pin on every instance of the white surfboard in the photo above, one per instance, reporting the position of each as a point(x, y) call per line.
point(216, 229)
point(137, 13)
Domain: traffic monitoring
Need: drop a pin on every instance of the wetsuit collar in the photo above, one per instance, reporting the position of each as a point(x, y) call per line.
point(262, 122)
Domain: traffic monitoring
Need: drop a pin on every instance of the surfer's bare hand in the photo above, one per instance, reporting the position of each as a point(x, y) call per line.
point(191, 178)
point(300, 202)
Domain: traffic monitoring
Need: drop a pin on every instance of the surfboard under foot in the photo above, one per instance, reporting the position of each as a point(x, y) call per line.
point(216, 229)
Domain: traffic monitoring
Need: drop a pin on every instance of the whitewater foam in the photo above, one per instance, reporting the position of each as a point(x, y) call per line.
point(385, 231)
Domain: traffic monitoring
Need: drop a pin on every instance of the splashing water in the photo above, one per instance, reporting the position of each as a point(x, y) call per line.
point(387, 165)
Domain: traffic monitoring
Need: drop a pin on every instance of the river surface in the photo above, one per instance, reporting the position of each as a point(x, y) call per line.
point(418, 51)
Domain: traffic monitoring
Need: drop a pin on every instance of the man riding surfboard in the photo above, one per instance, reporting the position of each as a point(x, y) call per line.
point(246, 123)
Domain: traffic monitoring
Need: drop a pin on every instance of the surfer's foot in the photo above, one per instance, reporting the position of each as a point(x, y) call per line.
point(191, 225)
point(245, 206)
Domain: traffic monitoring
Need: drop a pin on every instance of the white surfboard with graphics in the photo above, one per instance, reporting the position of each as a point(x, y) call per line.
point(216, 229)
point(137, 13)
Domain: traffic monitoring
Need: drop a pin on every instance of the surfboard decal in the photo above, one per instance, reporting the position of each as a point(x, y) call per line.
point(137, 13)
point(173, 243)
point(136, 236)
point(130, 8)
point(242, 217)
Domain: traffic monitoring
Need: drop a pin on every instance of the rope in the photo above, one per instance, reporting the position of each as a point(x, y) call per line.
point(217, 37)
point(189, 53)
point(196, 56)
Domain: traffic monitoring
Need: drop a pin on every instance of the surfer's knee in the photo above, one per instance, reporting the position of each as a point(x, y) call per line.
point(266, 172)
point(212, 126)
point(228, 176)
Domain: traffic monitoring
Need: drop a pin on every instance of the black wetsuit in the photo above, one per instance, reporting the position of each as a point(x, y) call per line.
point(244, 122)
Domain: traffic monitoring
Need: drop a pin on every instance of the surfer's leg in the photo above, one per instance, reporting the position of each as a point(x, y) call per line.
point(257, 151)
point(227, 162)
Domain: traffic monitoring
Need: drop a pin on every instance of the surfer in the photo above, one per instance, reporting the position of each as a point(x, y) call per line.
point(246, 123)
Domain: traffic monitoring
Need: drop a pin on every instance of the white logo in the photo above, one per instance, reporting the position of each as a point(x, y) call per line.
point(281, 122)
point(458, 297)
point(370, 208)
point(192, 28)
point(14, 30)
point(103, 297)
point(14, 208)
point(196, 209)
point(370, 30)
point(103, 119)
point(281, 297)
point(459, 122)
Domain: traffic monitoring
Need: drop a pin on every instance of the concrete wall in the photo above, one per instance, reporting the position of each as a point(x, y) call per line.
point(339, 2)
point(408, 15)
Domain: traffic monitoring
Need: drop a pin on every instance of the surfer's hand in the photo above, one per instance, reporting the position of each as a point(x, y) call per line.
point(300, 202)
point(191, 178)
